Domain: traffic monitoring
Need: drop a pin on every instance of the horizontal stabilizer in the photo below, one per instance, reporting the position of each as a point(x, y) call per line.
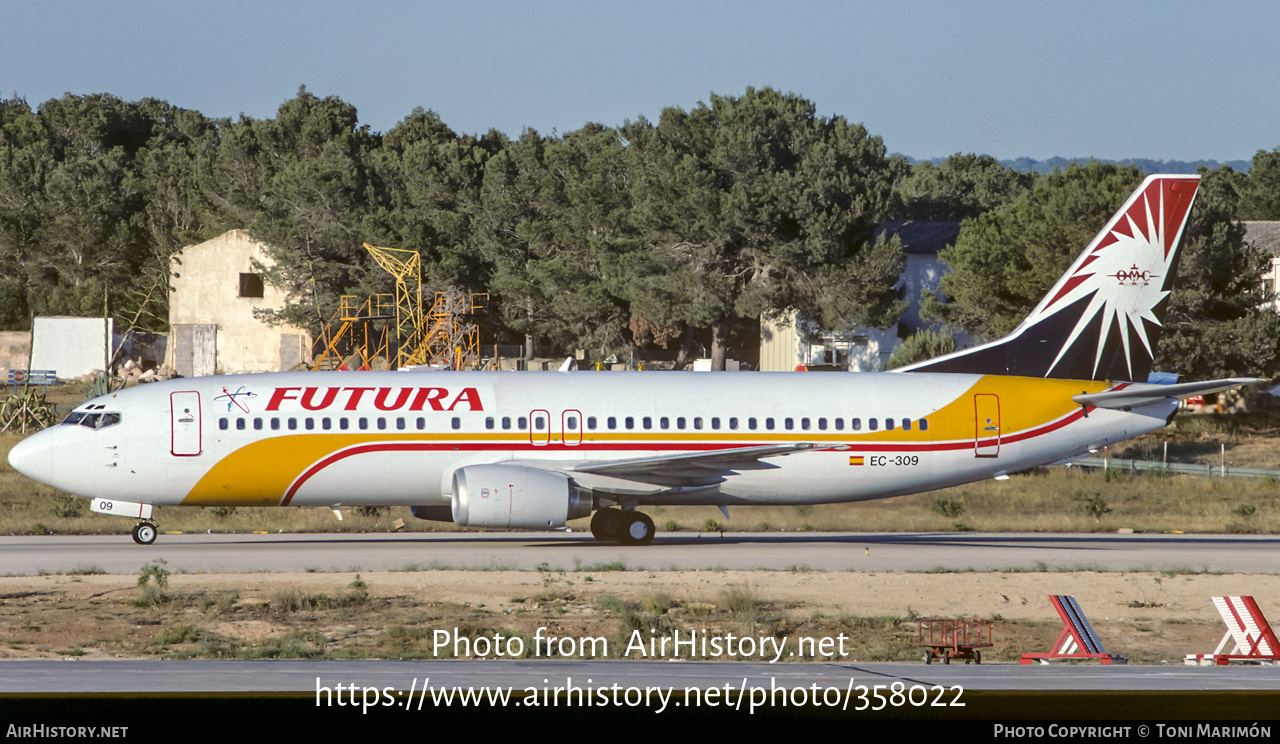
point(1137, 395)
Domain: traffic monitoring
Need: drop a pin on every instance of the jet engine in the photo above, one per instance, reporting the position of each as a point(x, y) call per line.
point(515, 496)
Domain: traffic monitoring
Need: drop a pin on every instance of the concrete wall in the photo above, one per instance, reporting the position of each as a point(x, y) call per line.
point(207, 291)
point(72, 347)
point(15, 350)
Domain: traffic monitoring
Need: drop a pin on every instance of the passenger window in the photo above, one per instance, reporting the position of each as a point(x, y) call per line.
point(363, 423)
point(506, 422)
point(343, 423)
point(457, 422)
point(906, 424)
point(275, 424)
point(631, 422)
point(924, 424)
point(680, 422)
point(789, 423)
point(715, 422)
point(571, 423)
point(733, 423)
point(591, 423)
point(239, 424)
point(539, 423)
point(697, 422)
point(872, 424)
point(612, 422)
point(325, 423)
point(400, 422)
point(839, 424)
point(648, 422)
point(522, 422)
point(664, 422)
point(751, 423)
point(310, 424)
point(222, 423)
point(292, 424)
point(382, 423)
point(768, 423)
point(804, 424)
point(421, 423)
point(855, 424)
point(888, 424)
point(488, 422)
point(822, 424)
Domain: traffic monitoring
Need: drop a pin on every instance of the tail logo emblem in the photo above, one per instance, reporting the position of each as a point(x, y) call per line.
point(1133, 275)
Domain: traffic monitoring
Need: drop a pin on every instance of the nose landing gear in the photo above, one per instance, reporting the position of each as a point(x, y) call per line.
point(144, 533)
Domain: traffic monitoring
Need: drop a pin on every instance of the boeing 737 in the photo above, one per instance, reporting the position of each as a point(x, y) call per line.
point(534, 450)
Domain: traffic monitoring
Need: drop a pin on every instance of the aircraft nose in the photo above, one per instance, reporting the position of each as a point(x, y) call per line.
point(33, 457)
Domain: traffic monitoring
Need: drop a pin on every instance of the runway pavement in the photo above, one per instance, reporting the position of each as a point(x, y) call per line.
point(29, 555)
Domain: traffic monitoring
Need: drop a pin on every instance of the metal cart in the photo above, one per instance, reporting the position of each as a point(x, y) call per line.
point(956, 638)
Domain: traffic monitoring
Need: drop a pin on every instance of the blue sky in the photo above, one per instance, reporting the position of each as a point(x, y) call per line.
point(1115, 79)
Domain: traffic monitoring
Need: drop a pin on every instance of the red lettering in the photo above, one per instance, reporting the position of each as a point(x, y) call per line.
point(280, 396)
point(429, 395)
point(381, 400)
point(471, 396)
point(308, 398)
point(356, 394)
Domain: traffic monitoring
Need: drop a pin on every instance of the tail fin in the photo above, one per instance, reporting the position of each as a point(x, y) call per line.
point(1102, 320)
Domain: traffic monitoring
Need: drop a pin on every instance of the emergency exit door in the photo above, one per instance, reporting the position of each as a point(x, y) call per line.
point(986, 435)
point(184, 421)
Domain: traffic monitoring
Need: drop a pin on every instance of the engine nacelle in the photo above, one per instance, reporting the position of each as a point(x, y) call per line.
point(515, 496)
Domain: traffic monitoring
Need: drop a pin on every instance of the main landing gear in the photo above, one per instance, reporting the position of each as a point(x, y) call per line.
point(628, 527)
point(144, 533)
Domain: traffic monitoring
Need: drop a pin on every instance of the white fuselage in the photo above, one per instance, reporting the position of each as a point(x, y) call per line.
point(382, 438)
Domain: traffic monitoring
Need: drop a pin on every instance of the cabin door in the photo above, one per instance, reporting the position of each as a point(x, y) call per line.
point(986, 436)
point(184, 421)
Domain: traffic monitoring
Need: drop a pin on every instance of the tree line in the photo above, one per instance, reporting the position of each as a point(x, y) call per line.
point(681, 232)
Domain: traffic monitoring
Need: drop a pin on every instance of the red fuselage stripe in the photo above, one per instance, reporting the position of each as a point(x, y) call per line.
point(653, 447)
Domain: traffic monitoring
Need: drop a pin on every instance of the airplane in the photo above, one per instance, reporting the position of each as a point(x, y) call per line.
point(533, 450)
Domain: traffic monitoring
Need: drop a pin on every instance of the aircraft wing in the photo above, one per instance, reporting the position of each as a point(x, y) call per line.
point(685, 469)
point(1137, 395)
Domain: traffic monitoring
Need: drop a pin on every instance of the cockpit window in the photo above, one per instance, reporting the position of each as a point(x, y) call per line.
point(92, 420)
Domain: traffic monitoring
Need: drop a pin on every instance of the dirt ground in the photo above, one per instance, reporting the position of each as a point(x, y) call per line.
point(1153, 618)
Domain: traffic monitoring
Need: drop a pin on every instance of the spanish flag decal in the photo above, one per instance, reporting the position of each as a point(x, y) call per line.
point(856, 459)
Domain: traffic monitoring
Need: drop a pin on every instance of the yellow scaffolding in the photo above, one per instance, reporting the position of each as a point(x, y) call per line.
point(447, 337)
point(349, 339)
point(453, 337)
point(406, 267)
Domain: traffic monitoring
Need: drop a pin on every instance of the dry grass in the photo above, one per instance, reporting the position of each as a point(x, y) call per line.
point(1151, 618)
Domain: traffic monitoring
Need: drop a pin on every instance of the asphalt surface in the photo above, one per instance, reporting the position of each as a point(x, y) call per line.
point(30, 555)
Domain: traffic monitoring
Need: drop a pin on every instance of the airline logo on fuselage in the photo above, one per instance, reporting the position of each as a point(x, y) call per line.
point(383, 398)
